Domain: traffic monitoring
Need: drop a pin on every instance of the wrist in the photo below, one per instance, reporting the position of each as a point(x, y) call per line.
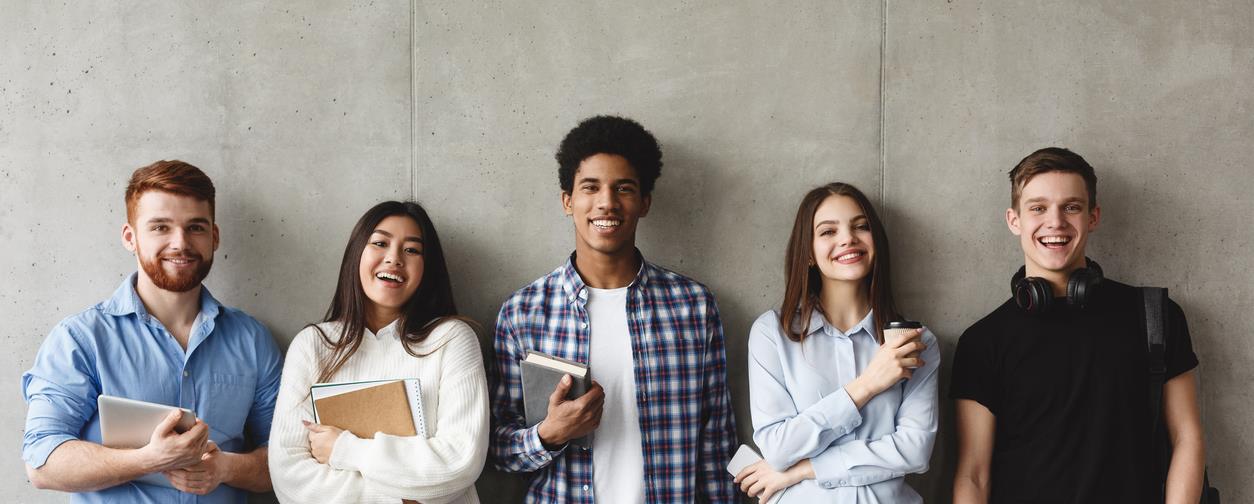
point(142, 460)
point(859, 391)
point(225, 467)
point(797, 472)
point(549, 439)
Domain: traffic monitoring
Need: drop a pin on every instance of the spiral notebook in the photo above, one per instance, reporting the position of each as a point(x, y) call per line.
point(364, 408)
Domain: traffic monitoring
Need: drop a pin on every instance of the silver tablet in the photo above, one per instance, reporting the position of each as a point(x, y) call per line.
point(128, 423)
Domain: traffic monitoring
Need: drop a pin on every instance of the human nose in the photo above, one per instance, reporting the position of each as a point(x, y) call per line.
point(1055, 219)
point(847, 237)
point(178, 239)
point(393, 257)
point(607, 199)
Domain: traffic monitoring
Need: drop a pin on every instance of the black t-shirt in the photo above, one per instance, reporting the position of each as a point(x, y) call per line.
point(1070, 392)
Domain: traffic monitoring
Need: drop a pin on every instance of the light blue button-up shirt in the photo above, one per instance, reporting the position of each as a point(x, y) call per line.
point(801, 411)
point(228, 376)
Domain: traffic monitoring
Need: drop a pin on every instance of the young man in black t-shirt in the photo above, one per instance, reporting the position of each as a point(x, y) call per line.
point(1052, 389)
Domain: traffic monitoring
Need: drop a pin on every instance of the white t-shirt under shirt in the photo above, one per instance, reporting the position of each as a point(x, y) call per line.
point(617, 453)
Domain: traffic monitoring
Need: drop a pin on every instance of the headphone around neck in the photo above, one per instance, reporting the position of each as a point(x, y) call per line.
point(1035, 295)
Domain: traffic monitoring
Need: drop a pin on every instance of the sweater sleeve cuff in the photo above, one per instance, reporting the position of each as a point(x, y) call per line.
point(346, 452)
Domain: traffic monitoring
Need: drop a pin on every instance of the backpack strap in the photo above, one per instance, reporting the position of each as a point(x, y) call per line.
point(1155, 301)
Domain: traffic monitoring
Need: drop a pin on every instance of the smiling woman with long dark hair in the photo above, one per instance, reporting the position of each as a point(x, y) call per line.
point(842, 408)
point(392, 317)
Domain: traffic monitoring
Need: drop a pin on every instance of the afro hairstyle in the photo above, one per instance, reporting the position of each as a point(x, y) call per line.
point(610, 135)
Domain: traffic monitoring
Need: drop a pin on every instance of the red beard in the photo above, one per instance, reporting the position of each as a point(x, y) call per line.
point(181, 282)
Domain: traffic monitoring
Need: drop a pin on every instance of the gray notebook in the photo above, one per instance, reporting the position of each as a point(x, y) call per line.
point(540, 374)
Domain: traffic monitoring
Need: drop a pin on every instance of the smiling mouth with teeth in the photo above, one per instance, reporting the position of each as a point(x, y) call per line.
point(389, 277)
point(1054, 241)
point(606, 223)
point(850, 256)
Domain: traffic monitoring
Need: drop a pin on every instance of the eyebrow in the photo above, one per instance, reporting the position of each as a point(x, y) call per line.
point(167, 220)
point(832, 222)
point(407, 238)
point(1042, 199)
point(619, 181)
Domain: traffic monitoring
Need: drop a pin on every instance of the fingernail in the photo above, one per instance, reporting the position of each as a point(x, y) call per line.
point(566, 380)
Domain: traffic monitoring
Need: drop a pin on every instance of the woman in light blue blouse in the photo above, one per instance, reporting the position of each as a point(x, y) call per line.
point(840, 412)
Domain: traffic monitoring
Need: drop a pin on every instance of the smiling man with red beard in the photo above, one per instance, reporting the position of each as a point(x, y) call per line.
point(1052, 388)
point(658, 412)
point(160, 338)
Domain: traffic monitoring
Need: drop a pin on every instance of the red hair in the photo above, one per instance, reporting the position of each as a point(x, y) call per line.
point(175, 177)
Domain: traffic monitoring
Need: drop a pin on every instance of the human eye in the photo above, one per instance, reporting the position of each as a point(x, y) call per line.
point(1073, 208)
point(1036, 208)
point(863, 227)
point(826, 231)
point(589, 188)
point(196, 228)
point(379, 243)
point(413, 251)
point(626, 189)
point(158, 228)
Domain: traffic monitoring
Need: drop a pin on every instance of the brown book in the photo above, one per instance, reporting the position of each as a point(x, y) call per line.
point(392, 407)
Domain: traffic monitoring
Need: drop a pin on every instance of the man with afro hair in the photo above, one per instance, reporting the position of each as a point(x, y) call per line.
point(656, 423)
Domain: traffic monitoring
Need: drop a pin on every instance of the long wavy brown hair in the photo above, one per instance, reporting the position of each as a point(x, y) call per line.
point(803, 281)
point(430, 305)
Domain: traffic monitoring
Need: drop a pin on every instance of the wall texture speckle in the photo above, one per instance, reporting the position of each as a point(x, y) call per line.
point(305, 115)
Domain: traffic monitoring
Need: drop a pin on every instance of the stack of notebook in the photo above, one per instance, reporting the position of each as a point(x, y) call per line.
point(391, 407)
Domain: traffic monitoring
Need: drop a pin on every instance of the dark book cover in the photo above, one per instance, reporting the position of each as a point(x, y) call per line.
point(540, 375)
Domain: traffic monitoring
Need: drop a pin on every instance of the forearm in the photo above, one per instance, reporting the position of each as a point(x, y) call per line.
point(969, 489)
point(859, 462)
point(82, 466)
point(247, 471)
point(1184, 478)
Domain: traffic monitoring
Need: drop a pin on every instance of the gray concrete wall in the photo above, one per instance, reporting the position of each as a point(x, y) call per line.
point(307, 114)
point(1155, 95)
point(300, 113)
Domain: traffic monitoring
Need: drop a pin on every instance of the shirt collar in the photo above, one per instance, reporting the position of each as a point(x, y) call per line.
point(125, 301)
point(819, 323)
point(388, 331)
point(576, 289)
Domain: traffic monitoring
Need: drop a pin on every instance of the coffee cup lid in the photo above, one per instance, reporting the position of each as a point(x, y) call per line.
point(904, 324)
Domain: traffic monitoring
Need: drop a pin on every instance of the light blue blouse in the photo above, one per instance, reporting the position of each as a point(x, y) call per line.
point(801, 410)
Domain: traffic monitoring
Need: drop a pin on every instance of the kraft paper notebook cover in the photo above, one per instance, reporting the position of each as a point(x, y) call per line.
point(389, 406)
point(540, 374)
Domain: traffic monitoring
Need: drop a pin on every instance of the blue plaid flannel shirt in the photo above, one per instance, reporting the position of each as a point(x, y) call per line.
point(686, 421)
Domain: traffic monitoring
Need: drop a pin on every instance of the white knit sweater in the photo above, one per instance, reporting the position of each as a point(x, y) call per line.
point(440, 468)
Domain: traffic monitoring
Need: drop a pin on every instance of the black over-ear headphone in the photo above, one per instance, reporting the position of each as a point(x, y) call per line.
point(1034, 295)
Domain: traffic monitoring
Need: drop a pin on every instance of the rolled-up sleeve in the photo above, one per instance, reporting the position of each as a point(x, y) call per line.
point(269, 374)
point(60, 391)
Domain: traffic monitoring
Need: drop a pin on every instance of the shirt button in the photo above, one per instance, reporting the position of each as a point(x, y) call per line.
point(585, 488)
point(583, 325)
point(186, 374)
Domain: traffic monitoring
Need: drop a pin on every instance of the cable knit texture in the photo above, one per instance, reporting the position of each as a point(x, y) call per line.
point(438, 469)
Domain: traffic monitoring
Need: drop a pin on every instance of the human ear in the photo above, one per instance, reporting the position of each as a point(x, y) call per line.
point(1095, 217)
point(566, 204)
point(128, 237)
point(216, 238)
point(646, 201)
point(1012, 221)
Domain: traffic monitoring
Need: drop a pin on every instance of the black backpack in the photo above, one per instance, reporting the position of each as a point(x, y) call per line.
point(1156, 331)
